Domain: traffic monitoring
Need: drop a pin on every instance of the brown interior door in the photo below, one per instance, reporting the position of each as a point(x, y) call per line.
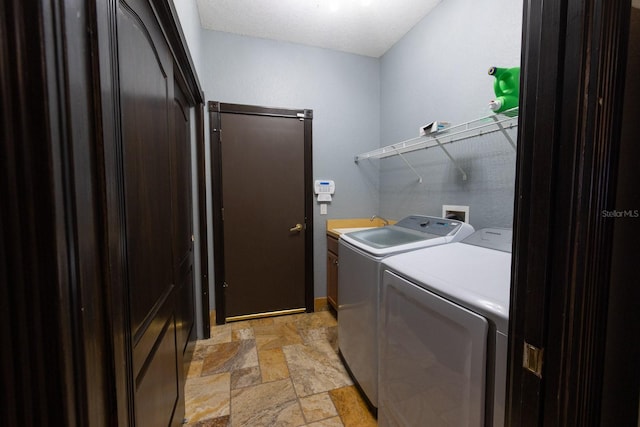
point(263, 197)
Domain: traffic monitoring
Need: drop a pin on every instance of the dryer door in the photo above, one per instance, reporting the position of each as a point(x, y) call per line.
point(432, 359)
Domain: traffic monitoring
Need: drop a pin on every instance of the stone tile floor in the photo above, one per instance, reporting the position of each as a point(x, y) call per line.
point(278, 371)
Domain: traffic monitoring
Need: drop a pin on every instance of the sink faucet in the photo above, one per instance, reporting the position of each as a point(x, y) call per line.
point(386, 222)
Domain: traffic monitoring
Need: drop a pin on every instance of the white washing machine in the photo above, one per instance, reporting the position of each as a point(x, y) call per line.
point(360, 254)
point(443, 333)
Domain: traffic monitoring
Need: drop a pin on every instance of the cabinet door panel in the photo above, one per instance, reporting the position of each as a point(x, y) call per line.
point(182, 220)
point(185, 312)
point(145, 70)
point(332, 279)
point(157, 385)
point(182, 177)
point(144, 92)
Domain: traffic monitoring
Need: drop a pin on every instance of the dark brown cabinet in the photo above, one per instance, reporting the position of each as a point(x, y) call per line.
point(332, 271)
point(182, 221)
point(153, 153)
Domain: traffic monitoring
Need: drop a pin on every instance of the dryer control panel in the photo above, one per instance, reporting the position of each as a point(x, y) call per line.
point(492, 238)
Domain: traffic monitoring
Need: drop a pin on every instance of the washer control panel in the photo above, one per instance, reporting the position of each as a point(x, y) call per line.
point(429, 224)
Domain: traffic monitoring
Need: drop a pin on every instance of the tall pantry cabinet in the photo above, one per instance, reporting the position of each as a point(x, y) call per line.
point(148, 177)
point(97, 311)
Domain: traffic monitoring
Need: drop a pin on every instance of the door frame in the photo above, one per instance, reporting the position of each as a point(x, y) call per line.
point(215, 109)
point(572, 85)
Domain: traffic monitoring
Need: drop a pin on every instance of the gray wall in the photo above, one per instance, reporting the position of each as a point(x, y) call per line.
point(342, 89)
point(190, 22)
point(438, 71)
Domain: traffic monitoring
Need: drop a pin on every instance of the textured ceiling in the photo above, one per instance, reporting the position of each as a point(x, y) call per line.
point(364, 27)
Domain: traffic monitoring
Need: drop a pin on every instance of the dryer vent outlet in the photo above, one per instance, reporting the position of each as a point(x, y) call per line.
point(460, 213)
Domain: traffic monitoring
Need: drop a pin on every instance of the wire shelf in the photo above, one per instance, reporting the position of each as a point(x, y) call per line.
point(471, 129)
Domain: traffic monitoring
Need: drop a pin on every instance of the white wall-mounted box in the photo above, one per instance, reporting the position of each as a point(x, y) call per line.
point(461, 212)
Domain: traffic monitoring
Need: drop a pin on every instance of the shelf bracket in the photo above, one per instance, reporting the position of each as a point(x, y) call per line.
point(464, 174)
point(410, 167)
point(504, 132)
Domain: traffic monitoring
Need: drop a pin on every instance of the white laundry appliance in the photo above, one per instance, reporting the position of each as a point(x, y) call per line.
point(360, 255)
point(443, 333)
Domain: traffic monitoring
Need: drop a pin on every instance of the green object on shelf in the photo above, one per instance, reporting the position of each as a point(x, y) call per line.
point(507, 88)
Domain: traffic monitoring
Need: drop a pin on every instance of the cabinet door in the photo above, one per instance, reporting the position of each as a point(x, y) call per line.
point(182, 221)
point(145, 70)
point(182, 239)
point(332, 279)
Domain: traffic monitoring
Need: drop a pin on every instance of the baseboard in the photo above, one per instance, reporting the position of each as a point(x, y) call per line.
point(212, 318)
point(320, 304)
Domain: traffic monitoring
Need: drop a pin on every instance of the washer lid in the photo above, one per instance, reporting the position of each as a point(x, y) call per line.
point(474, 277)
point(412, 232)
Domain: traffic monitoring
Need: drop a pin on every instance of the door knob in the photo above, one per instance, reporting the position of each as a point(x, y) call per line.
point(297, 228)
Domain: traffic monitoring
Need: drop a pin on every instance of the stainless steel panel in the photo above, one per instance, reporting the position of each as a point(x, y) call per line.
point(358, 277)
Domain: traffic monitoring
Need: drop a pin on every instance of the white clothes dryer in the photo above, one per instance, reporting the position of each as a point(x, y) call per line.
point(443, 333)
